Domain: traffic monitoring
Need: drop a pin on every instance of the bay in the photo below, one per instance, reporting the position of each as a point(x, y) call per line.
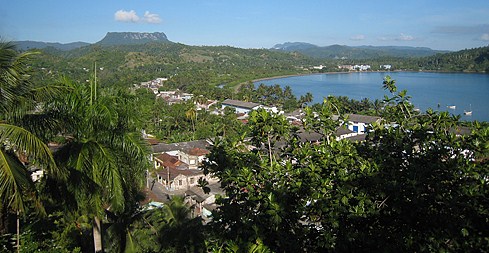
point(427, 90)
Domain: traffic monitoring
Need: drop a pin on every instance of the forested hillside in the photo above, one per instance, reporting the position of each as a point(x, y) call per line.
point(192, 67)
point(468, 60)
point(188, 67)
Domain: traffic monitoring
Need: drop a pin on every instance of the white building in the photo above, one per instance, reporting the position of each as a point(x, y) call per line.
point(240, 106)
point(359, 123)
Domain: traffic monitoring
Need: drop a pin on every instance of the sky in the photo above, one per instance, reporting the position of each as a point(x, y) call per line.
point(443, 25)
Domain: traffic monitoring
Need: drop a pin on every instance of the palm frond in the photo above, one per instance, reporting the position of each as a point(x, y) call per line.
point(15, 180)
point(21, 140)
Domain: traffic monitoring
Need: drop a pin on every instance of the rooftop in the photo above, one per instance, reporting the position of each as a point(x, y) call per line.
point(241, 104)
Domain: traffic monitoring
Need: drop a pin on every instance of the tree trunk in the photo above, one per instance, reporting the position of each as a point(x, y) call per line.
point(18, 232)
point(4, 220)
point(97, 234)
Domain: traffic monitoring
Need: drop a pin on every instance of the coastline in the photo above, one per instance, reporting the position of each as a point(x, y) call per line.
point(312, 74)
point(351, 72)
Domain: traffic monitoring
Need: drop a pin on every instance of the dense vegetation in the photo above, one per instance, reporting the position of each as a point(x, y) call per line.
point(191, 68)
point(413, 185)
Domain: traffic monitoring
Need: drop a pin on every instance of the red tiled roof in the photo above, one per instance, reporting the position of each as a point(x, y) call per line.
point(175, 172)
point(198, 151)
point(169, 161)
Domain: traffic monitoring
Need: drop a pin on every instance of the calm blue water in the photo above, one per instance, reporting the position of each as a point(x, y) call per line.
point(465, 91)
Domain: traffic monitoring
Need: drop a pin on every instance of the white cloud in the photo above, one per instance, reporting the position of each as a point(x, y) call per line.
point(405, 37)
point(484, 37)
point(132, 17)
point(358, 37)
point(126, 16)
point(152, 18)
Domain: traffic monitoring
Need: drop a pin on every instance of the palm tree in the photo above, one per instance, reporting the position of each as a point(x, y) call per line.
point(19, 147)
point(177, 229)
point(104, 153)
point(305, 99)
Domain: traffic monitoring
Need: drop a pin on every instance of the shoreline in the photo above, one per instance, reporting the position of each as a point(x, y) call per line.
point(312, 74)
point(352, 72)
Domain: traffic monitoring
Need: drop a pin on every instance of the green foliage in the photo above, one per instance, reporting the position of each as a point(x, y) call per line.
point(189, 67)
point(412, 186)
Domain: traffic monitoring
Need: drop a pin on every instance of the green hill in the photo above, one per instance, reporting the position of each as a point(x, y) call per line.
point(468, 60)
point(189, 67)
point(359, 52)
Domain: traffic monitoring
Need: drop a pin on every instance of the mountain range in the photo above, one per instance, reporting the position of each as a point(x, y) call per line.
point(110, 39)
point(326, 52)
point(357, 52)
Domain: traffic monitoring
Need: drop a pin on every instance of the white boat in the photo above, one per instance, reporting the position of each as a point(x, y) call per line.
point(468, 113)
point(453, 107)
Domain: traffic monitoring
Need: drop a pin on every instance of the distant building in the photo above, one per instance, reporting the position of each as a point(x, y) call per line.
point(361, 67)
point(346, 67)
point(359, 123)
point(386, 66)
point(174, 97)
point(240, 106)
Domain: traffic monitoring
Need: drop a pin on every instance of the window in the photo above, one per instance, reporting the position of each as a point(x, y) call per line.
point(191, 180)
point(179, 182)
point(355, 129)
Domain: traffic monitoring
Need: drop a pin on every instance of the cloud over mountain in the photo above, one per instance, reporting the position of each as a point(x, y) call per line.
point(132, 17)
point(405, 37)
point(357, 37)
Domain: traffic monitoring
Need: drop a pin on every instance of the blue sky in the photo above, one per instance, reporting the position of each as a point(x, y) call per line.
point(445, 25)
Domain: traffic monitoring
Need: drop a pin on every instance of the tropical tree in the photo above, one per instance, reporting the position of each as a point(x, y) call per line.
point(413, 185)
point(305, 99)
point(19, 147)
point(104, 153)
point(177, 230)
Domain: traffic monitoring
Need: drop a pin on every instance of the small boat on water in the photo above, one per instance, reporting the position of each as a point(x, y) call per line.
point(469, 112)
point(453, 107)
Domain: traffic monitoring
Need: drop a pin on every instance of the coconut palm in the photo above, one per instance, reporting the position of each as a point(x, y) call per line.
point(178, 230)
point(19, 147)
point(105, 155)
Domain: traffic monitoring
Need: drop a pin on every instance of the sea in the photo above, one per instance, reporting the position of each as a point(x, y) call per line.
point(452, 92)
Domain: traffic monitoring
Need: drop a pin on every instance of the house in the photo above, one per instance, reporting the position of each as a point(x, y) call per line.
point(175, 174)
point(314, 137)
point(206, 105)
point(361, 67)
point(359, 123)
point(240, 106)
point(203, 203)
point(177, 164)
point(347, 67)
point(193, 157)
point(174, 97)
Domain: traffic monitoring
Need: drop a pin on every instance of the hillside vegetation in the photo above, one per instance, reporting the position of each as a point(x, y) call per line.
point(189, 67)
point(193, 67)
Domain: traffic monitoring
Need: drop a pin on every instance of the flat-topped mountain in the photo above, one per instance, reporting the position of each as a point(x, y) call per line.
point(132, 38)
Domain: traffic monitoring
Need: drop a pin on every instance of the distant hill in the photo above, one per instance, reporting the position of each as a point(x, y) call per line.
point(132, 38)
point(359, 52)
point(110, 39)
point(468, 60)
point(27, 44)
